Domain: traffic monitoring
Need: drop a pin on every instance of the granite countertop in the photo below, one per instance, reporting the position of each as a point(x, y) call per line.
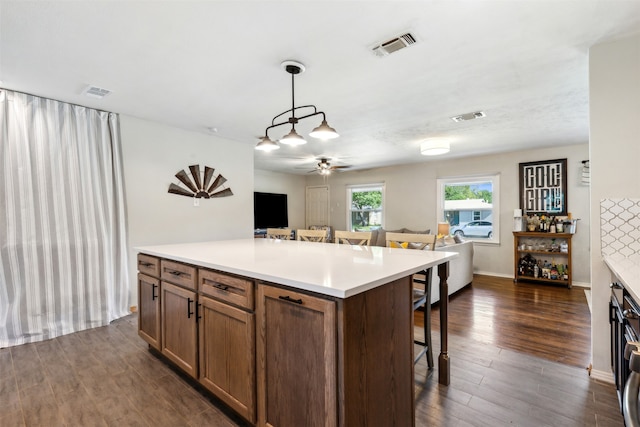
point(627, 270)
point(327, 268)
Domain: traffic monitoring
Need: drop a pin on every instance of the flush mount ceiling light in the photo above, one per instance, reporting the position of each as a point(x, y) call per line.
point(434, 147)
point(323, 131)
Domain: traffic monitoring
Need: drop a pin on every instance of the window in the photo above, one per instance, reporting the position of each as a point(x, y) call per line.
point(365, 207)
point(471, 206)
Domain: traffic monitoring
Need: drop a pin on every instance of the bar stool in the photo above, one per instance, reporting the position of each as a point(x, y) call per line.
point(312, 235)
point(360, 238)
point(421, 294)
point(278, 233)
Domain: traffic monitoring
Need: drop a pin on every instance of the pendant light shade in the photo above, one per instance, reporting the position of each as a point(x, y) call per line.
point(293, 138)
point(324, 131)
point(266, 144)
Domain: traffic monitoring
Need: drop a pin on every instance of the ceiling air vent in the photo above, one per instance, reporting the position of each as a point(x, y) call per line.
point(96, 92)
point(468, 116)
point(394, 45)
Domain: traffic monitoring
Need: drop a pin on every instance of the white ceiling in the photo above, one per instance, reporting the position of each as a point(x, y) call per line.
point(216, 64)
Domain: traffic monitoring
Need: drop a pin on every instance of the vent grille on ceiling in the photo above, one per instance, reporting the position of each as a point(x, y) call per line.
point(96, 92)
point(469, 116)
point(394, 45)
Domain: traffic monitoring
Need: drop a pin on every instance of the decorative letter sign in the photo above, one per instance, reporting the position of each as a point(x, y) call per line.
point(543, 187)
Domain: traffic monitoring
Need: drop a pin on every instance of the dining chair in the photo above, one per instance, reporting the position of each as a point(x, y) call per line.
point(421, 292)
point(358, 238)
point(278, 233)
point(312, 235)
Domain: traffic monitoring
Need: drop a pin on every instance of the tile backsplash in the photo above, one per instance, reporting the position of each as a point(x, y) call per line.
point(620, 227)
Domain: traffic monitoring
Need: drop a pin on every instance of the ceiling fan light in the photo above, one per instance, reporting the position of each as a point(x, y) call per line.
point(267, 144)
point(293, 138)
point(324, 131)
point(434, 147)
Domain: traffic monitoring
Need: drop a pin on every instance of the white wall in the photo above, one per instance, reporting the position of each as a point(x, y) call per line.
point(411, 200)
point(153, 153)
point(614, 104)
point(291, 185)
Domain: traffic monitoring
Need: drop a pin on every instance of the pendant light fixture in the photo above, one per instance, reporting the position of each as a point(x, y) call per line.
point(323, 131)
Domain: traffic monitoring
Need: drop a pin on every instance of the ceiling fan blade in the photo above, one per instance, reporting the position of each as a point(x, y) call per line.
point(195, 173)
point(184, 178)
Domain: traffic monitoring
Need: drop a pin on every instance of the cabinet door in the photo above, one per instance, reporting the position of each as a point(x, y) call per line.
point(297, 359)
point(149, 310)
point(227, 355)
point(179, 327)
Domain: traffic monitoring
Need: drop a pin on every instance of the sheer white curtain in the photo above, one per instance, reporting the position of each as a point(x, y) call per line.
point(63, 244)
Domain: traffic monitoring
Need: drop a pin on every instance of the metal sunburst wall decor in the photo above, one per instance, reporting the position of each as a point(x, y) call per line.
point(198, 184)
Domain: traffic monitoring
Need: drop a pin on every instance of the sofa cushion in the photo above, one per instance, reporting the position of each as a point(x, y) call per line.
point(406, 230)
point(381, 240)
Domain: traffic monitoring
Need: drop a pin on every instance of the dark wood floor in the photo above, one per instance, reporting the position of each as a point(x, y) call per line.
point(518, 355)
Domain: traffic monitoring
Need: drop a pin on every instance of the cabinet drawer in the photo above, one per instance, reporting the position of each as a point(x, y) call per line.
point(178, 273)
point(232, 289)
point(149, 265)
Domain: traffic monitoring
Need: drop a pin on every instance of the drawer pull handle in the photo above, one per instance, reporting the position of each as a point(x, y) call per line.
point(630, 314)
point(153, 292)
point(221, 287)
point(615, 285)
point(189, 311)
point(146, 264)
point(198, 315)
point(175, 273)
point(288, 298)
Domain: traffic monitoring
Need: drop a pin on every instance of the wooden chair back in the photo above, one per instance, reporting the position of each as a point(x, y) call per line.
point(411, 241)
point(312, 235)
point(359, 238)
point(279, 233)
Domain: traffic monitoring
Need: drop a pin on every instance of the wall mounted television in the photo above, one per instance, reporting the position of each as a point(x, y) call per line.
point(269, 210)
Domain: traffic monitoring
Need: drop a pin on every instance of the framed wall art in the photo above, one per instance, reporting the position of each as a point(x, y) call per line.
point(543, 187)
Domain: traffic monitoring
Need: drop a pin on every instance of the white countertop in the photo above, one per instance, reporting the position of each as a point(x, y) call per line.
point(627, 270)
point(326, 268)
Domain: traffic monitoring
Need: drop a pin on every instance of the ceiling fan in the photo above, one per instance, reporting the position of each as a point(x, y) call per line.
point(325, 168)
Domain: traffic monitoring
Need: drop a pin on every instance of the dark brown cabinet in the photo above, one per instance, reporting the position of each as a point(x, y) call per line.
point(149, 300)
point(149, 310)
point(297, 355)
point(179, 327)
point(227, 355)
point(538, 248)
point(280, 356)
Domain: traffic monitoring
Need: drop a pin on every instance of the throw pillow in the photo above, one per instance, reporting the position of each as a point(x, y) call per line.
point(403, 245)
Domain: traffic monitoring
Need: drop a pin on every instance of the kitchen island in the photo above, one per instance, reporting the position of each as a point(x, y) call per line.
point(291, 333)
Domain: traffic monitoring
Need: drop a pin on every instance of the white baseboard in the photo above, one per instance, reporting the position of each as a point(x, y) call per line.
point(491, 273)
point(605, 376)
point(510, 276)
